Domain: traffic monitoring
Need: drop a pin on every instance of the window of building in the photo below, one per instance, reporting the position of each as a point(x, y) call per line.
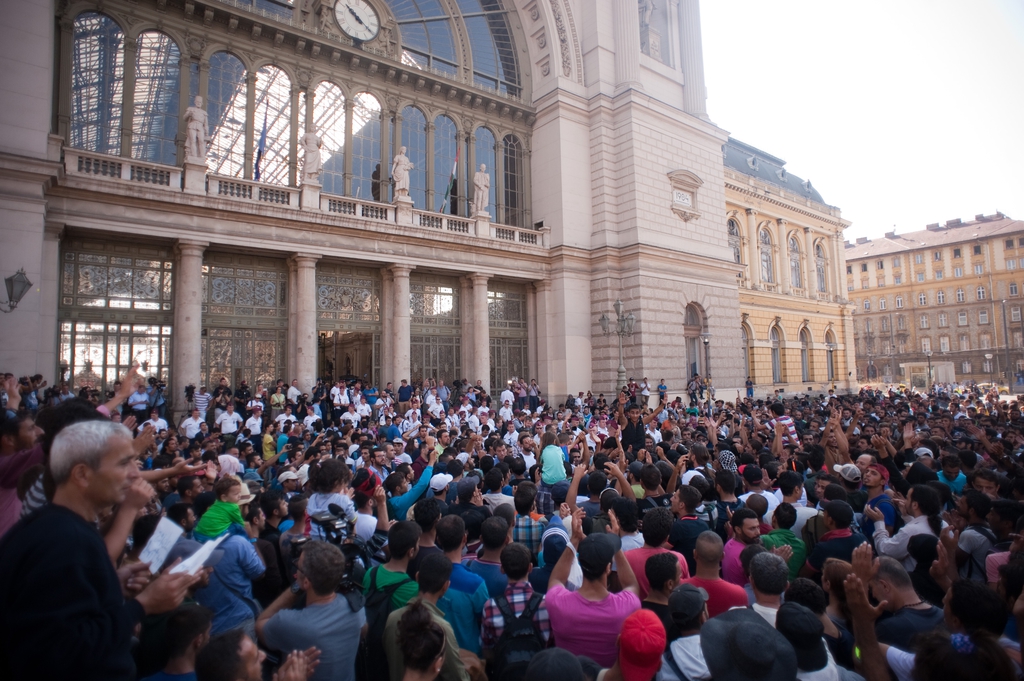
point(863, 267)
point(924, 321)
point(956, 253)
point(977, 250)
point(774, 337)
point(897, 280)
point(1020, 242)
point(986, 366)
point(920, 276)
point(880, 265)
point(896, 261)
point(965, 342)
point(864, 284)
point(1018, 340)
point(157, 78)
point(937, 256)
point(958, 271)
point(983, 316)
point(940, 297)
point(961, 318)
point(981, 293)
point(943, 319)
point(922, 298)
point(367, 177)
point(98, 67)
point(979, 269)
point(965, 367)
point(901, 323)
point(1009, 243)
point(767, 262)
point(796, 278)
point(486, 153)
point(1014, 314)
point(899, 302)
point(514, 205)
point(926, 345)
point(881, 304)
point(867, 304)
point(225, 106)
point(867, 326)
point(805, 363)
point(446, 148)
point(918, 259)
point(943, 343)
point(850, 287)
point(939, 274)
point(734, 240)
point(959, 295)
point(986, 341)
point(819, 267)
point(1013, 289)
point(849, 269)
point(885, 323)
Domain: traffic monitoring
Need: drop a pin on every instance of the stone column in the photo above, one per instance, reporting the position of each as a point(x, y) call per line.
point(400, 362)
point(542, 371)
point(783, 264)
point(186, 339)
point(753, 257)
point(387, 327)
point(531, 331)
point(481, 332)
point(839, 269)
point(627, 45)
point(305, 320)
point(250, 125)
point(292, 320)
point(466, 337)
point(695, 95)
point(811, 274)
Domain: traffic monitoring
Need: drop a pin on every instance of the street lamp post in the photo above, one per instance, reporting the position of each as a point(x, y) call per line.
point(623, 327)
point(706, 339)
point(928, 354)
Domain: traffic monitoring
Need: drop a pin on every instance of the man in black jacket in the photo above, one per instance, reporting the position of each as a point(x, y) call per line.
point(63, 613)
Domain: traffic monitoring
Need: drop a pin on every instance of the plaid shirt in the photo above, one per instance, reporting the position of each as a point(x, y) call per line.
point(518, 595)
point(528, 532)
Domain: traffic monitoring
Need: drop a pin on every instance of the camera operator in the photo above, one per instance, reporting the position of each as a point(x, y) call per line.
point(156, 395)
point(327, 621)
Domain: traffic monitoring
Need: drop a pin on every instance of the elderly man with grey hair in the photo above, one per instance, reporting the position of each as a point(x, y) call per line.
point(769, 577)
point(65, 612)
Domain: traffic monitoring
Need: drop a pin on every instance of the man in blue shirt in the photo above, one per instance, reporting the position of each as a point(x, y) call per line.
point(875, 478)
point(229, 593)
point(951, 475)
point(494, 537)
point(404, 396)
point(463, 603)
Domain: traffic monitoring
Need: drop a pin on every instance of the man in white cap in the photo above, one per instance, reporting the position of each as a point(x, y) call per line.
point(289, 482)
point(439, 486)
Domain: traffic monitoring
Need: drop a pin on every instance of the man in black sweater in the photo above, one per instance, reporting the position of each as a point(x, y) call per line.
point(63, 612)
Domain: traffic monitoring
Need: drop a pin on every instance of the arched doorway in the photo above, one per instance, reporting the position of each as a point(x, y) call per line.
point(694, 325)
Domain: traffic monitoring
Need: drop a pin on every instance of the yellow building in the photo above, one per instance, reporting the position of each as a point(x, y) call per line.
point(795, 320)
point(944, 300)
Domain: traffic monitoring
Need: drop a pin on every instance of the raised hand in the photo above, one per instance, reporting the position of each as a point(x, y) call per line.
point(857, 599)
point(783, 551)
point(865, 565)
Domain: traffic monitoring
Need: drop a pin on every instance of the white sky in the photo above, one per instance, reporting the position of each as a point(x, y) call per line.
point(900, 112)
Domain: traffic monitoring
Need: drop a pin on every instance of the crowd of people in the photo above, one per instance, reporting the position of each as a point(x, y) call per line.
point(436, 530)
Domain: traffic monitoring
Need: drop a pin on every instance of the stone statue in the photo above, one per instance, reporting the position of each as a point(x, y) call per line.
point(400, 173)
point(312, 167)
point(647, 8)
point(481, 190)
point(197, 133)
point(325, 18)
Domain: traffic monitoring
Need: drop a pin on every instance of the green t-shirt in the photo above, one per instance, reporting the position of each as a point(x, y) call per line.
point(386, 578)
point(779, 537)
point(552, 468)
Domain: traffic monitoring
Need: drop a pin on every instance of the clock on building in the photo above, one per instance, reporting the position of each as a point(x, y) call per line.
point(357, 18)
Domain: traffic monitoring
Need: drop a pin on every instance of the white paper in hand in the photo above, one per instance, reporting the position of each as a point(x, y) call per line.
point(194, 563)
point(159, 545)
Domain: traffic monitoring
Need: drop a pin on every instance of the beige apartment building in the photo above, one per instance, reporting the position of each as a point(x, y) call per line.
point(946, 299)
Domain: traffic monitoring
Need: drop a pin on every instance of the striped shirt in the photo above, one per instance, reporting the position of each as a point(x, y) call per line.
point(790, 427)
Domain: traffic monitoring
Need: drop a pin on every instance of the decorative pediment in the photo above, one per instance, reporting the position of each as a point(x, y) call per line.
point(685, 188)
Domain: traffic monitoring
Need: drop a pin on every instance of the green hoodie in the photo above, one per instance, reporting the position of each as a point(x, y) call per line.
point(782, 537)
point(218, 518)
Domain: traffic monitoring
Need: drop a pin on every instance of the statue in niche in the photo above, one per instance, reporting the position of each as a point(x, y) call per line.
point(646, 8)
point(312, 167)
point(481, 190)
point(400, 168)
point(197, 132)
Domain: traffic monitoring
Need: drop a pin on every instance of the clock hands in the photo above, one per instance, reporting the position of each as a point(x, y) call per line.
point(357, 17)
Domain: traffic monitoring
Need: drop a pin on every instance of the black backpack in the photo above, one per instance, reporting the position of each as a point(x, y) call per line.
point(372, 660)
point(519, 641)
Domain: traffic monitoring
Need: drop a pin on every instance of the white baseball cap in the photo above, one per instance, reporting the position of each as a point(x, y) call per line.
point(440, 481)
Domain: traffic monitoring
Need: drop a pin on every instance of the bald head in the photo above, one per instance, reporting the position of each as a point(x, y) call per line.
point(708, 548)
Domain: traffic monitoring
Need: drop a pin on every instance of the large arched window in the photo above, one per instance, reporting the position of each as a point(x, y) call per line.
point(805, 360)
point(484, 151)
point(735, 242)
point(426, 35)
point(776, 341)
point(796, 279)
point(514, 181)
point(446, 145)
point(764, 240)
point(97, 71)
point(366, 170)
point(226, 111)
point(329, 120)
point(157, 81)
point(494, 58)
point(819, 266)
point(272, 133)
point(414, 139)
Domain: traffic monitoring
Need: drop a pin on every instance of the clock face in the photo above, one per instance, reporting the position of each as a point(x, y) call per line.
point(681, 197)
point(357, 18)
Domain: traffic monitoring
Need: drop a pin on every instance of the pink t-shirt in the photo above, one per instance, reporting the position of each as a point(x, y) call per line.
point(992, 563)
point(589, 627)
point(732, 569)
point(637, 559)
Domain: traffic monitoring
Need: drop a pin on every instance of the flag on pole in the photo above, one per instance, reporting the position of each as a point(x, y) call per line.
point(451, 181)
point(262, 146)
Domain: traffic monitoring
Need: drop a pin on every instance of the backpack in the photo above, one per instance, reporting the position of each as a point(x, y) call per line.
point(992, 539)
point(372, 660)
point(519, 641)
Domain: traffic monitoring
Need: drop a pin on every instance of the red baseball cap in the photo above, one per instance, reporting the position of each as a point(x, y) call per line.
point(641, 644)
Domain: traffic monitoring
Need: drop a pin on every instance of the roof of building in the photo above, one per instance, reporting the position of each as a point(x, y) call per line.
point(935, 235)
point(751, 161)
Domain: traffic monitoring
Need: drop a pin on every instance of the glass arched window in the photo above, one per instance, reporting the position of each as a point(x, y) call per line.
point(426, 35)
point(735, 242)
point(881, 303)
point(819, 266)
point(773, 336)
point(764, 240)
point(484, 152)
point(899, 302)
point(272, 133)
point(940, 297)
point(514, 181)
point(796, 279)
point(225, 107)
point(494, 59)
point(446, 144)
point(981, 293)
point(157, 81)
point(805, 362)
point(366, 170)
point(922, 298)
point(414, 139)
point(959, 295)
point(329, 119)
point(97, 81)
